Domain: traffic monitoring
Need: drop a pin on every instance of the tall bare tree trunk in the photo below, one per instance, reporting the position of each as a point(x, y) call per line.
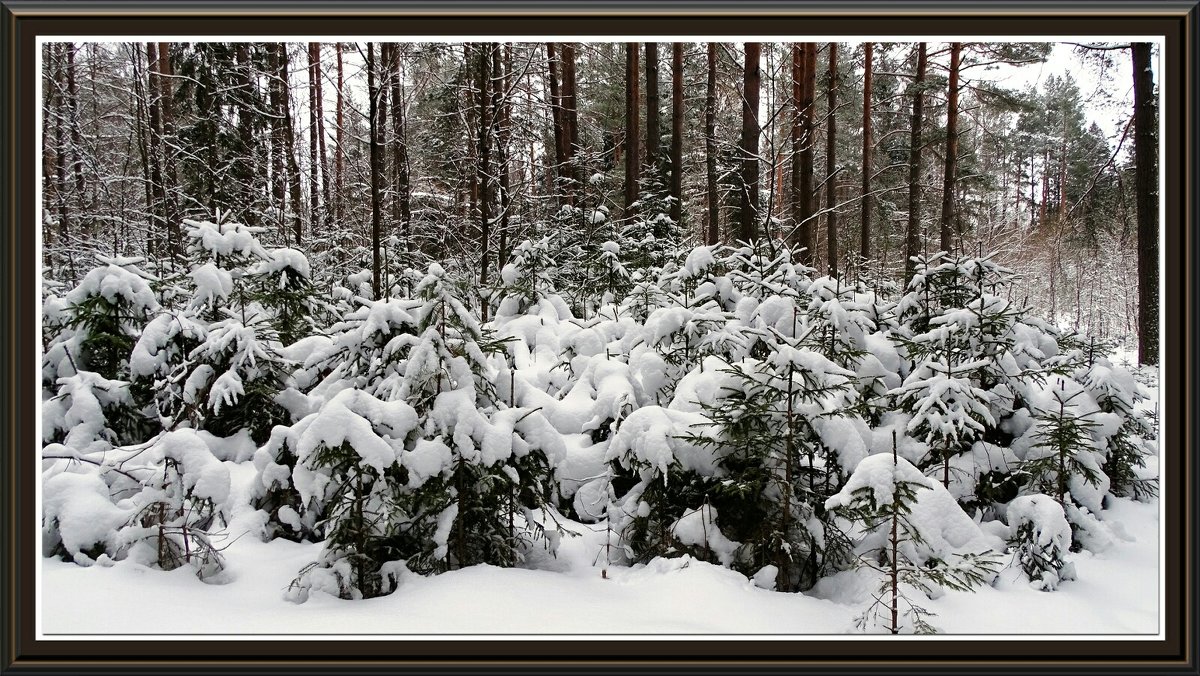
point(652, 132)
point(243, 166)
point(677, 132)
point(831, 227)
point(289, 135)
point(73, 123)
point(864, 247)
point(326, 188)
point(801, 227)
point(1145, 153)
point(402, 205)
point(951, 148)
point(571, 117)
point(752, 80)
point(154, 99)
point(710, 150)
point(632, 165)
point(486, 106)
point(912, 239)
point(170, 176)
point(314, 158)
point(556, 113)
point(503, 115)
point(275, 99)
point(808, 140)
point(339, 151)
point(60, 139)
point(376, 171)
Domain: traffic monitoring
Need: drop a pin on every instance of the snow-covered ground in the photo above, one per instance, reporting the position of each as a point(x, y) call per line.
point(1116, 592)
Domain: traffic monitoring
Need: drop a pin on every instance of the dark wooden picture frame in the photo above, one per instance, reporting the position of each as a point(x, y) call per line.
point(24, 22)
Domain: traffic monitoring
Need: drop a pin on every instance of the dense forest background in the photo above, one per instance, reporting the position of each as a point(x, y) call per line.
point(383, 157)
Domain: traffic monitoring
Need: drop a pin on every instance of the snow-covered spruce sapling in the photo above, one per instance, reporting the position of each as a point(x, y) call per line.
point(108, 309)
point(92, 414)
point(159, 361)
point(232, 379)
point(1040, 541)
point(614, 278)
point(949, 411)
point(527, 278)
point(461, 506)
point(1115, 391)
point(775, 468)
point(880, 496)
point(283, 285)
point(346, 469)
point(368, 351)
point(1063, 444)
point(764, 268)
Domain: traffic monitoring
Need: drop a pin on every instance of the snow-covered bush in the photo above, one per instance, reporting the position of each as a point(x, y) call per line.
point(180, 506)
point(1041, 539)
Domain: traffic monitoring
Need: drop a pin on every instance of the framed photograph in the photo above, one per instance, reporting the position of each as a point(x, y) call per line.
point(541, 337)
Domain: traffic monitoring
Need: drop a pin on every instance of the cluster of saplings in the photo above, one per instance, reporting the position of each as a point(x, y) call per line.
point(739, 409)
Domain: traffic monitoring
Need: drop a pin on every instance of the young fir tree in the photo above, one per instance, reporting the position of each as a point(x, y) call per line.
point(283, 285)
point(1064, 445)
point(368, 350)
point(88, 367)
point(108, 309)
point(879, 497)
point(465, 472)
point(776, 468)
point(528, 278)
point(231, 381)
point(346, 475)
point(1115, 391)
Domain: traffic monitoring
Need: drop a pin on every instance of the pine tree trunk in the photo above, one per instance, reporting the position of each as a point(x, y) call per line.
point(277, 141)
point(504, 116)
point(801, 227)
point(153, 97)
point(808, 139)
point(864, 247)
point(486, 106)
point(402, 205)
point(76, 141)
point(632, 165)
point(571, 117)
point(170, 175)
point(376, 171)
point(912, 239)
point(243, 166)
point(951, 148)
point(752, 79)
point(323, 159)
point(289, 135)
point(314, 158)
point(1146, 188)
point(713, 235)
point(141, 128)
point(339, 151)
point(677, 133)
point(652, 132)
point(831, 227)
point(556, 113)
point(60, 142)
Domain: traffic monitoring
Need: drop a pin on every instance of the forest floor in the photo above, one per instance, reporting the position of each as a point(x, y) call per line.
point(1117, 592)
